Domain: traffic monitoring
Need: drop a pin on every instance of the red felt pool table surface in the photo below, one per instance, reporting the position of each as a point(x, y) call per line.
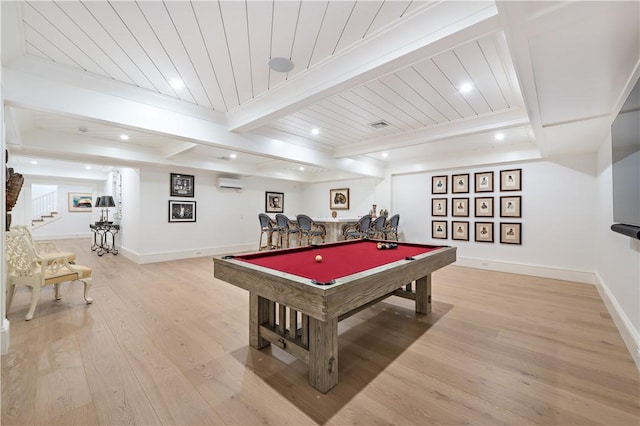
point(338, 259)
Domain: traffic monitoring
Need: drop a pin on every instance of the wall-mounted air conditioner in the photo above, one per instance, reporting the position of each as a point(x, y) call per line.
point(230, 183)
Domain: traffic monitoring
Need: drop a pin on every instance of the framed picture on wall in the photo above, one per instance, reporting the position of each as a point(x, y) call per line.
point(80, 202)
point(460, 183)
point(273, 202)
point(484, 182)
point(510, 233)
point(339, 199)
point(484, 207)
point(511, 180)
point(182, 211)
point(510, 206)
point(439, 229)
point(439, 184)
point(460, 207)
point(484, 232)
point(460, 230)
point(182, 185)
point(439, 207)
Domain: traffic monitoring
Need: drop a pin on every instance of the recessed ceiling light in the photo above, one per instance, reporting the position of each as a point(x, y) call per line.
point(34, 162)
point(124, 137)
point(176, 83)
point(385, 154)
point(315, 131)
point(281, 64)
point(87, 167)
point(232, 155)
point(301, 169)
point(499, 136)
point(466, 88)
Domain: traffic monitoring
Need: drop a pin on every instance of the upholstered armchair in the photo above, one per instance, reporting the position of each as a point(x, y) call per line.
point(44, 249)
point(360, 229)
point(27, 268)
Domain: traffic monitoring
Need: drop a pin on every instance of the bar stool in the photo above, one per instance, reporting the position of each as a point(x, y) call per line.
point(285, 229)
point(267, 227)
point(309, 229)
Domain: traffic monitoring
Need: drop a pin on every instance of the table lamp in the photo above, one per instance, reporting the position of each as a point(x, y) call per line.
point(106, 201)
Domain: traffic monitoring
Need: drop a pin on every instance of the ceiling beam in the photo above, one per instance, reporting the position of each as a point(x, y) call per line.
point(451, 24)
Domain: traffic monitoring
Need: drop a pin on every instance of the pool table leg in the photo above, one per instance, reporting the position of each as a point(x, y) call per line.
point(323, 353)
point(258, 314)
point(423, 295)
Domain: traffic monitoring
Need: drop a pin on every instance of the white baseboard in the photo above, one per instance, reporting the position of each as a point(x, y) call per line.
point(185, 254)
point(4, 337)
point(533, 270)
point(629, 334)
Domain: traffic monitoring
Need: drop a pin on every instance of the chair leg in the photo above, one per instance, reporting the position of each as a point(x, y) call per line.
point(10, 291)
point(87, 285)
point(35, 295)
point(56, 291)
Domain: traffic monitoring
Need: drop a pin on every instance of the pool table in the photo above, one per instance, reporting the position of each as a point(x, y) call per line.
point(296, 301)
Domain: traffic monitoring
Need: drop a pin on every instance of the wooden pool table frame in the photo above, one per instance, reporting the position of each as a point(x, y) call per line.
point(302, 318)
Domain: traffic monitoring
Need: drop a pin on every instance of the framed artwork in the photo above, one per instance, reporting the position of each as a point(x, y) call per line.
point(511, 180)
point(460, 207)
point(510, 206)
point(439, 229)
point(439, 207)
point(182, 211)
point(510, 233)
point(438, 184)
point(80, 202)
point(273, 202)
point(484, 232)
point(460, 184)
point(484, 182)
point(484, 207)
point(181, 185)
point(460, 230)
point(339, 199)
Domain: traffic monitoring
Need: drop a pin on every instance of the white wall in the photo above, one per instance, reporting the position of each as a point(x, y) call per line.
point(68, 224)
point(617, 261)
point(362, 194)
point(226, 219)
point(558, 218)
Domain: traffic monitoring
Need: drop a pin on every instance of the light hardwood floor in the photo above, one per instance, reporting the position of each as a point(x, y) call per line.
point(167, 344)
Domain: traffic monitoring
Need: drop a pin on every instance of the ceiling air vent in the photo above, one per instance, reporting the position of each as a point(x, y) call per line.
point(379, 124)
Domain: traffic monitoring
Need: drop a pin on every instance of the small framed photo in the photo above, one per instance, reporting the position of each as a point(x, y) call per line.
point(439, 229)
point(339, 199)
point(484, 232)
point(460, 230)
point(182, 211)
point(273, 202)
point(439, 184)
point(484, 182)
point(460, 207)
point(182, 185)
point(510, 233)
point(80, 202)
point(510, 206)
point(511, 180)
point(439, 207)
point(460, 184)
point(484, 207)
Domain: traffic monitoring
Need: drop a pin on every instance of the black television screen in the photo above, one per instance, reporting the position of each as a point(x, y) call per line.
point(625, 145)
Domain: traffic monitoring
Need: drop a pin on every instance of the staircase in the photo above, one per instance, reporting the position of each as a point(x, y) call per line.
point(43, 210)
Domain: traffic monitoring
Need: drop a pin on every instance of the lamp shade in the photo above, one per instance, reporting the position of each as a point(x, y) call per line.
point(106, 201)
point(97, 202)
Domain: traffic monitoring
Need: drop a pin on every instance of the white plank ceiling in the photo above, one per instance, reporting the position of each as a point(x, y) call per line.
point(356, 63)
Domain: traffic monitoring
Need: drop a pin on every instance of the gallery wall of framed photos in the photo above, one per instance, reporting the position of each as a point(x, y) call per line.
point(484, 207)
